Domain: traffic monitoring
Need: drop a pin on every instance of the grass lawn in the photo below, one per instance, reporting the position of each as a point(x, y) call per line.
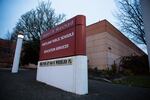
point(139, 81)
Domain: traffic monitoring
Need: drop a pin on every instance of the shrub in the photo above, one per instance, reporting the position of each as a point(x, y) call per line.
point(127, 72)
point(136, 64)
point(114, 68)
point(92, 72)
point(30, 52)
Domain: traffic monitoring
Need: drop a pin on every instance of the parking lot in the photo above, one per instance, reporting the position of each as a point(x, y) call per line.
point(23, 86)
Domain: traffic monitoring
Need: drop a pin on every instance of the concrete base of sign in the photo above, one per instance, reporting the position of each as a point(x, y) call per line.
point(71, 77)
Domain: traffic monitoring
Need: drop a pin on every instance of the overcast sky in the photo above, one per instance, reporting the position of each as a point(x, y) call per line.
point(94, 10)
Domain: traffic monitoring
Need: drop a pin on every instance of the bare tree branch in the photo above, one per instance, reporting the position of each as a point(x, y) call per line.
point(35, 22)
point(130, 19)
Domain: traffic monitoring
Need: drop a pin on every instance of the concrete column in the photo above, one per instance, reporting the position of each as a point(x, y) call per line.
point(17, 54)
point(145, 4)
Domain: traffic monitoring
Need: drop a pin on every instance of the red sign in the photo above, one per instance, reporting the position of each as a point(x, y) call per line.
point(66, 39)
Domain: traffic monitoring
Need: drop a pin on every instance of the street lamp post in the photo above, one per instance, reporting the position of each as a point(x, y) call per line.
point(17, 53)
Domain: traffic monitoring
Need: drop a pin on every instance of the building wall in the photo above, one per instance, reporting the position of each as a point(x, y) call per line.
point(7, 49)
point(117, 49)
point(105, 44)
point(96, 50)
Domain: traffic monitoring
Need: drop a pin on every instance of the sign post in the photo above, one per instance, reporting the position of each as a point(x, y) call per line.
point(17, 53)
point(63, 60)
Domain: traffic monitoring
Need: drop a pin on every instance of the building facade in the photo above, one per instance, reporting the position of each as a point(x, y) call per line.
point(7, 49)
point(105, 44)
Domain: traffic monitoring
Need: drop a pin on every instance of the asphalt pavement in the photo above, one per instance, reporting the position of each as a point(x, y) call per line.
point(23, 86)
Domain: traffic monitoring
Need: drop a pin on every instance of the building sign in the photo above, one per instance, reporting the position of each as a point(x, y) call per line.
point(66, 39)
point(53, 63)
point(63, 63)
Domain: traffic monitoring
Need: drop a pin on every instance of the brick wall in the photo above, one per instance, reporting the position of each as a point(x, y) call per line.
point(7, 49)
point(105, 44)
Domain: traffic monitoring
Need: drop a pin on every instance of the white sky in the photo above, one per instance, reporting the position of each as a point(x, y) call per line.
point(94, 10)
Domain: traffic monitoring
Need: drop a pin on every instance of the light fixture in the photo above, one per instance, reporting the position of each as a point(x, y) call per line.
point(20, 36)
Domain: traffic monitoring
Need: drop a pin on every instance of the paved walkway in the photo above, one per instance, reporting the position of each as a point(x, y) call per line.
point(23, 86)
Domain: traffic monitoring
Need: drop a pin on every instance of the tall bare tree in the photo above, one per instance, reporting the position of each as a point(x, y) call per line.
point(8, 35)
point(130, 19)
point(38, 20)
point(33, 24)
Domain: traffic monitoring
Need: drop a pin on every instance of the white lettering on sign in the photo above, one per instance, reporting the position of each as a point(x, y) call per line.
point(58, 39)
point(56, 48)
point(59, 28)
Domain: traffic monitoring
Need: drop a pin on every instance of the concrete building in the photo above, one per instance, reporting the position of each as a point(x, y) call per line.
point(106, 44)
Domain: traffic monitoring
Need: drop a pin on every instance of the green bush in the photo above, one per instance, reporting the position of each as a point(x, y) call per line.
point(114, 68)
point(94, 72)
point(30, 52)
point(127, 72)
point(136, 64)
